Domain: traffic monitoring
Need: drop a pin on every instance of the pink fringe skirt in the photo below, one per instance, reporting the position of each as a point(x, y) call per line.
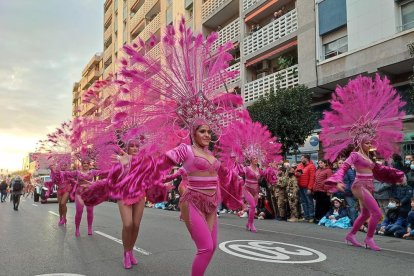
point(366, 182)
point(206, 203)
point(64, 189)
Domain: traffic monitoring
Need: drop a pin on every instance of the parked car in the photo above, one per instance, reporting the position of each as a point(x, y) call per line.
point(41, 191)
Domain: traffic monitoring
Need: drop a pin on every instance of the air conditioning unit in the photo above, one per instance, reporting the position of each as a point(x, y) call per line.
point(261, 75)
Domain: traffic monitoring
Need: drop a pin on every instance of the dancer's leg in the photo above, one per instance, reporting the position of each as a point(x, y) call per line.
point(64, 207)
point(127, 224)
point(79, 211)
point(89, 212)
point(137, 212)
point(203, 230)
point(252, 209)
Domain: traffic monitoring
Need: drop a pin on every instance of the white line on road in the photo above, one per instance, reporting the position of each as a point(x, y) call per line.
point(35, 205)
point(139, 250)
point(301, 236)
point(53, 213)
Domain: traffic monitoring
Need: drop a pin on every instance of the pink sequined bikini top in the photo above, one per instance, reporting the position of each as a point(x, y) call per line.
point(252, 177)
point(359, 161)
point(191, 162)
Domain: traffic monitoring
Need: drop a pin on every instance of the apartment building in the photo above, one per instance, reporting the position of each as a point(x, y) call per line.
point(319, 43)
point(93, 71)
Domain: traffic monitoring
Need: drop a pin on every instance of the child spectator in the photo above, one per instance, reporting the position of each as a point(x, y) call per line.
point(410, 222)
point(337, 217)
point(395, 221)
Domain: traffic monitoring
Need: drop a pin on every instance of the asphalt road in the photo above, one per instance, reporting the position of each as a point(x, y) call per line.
point(31, 243)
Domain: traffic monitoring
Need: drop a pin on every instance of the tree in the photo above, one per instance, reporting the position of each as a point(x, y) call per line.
point(287, 114)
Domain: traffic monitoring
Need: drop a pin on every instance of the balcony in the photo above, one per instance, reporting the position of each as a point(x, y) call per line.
point(231, 32)
point(108, 52)
point(284, 78)
point(248, 3)
point(271, 32)
point(151, 28)
point(141, 13)
point(108, 14)
point(217, 83)
point(108, 33)
point(155, 52)
point(218, 12)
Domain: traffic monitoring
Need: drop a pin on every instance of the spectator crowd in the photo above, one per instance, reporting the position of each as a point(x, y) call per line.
point(300, 195)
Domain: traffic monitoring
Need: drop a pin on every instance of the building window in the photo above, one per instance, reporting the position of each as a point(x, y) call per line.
point(336, 47)
point(407, 16)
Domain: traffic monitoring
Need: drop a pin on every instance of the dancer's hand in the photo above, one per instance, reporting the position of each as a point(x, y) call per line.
point(340, 186)
point(122, 158)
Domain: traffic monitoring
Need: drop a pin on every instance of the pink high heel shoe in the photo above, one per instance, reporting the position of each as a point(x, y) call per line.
point(351, 239)
point(60, 223)
point(77, 233)
point(251, 228)
point(370, 243)
point(132, 258)
point(126, 261)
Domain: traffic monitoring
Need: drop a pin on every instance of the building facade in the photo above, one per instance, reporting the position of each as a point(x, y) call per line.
point(318, 43)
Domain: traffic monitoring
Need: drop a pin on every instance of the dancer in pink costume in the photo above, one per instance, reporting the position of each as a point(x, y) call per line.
point(193, 101)
point(83, 178)
point(366, 114)
point(58, 148)
point(251, 143)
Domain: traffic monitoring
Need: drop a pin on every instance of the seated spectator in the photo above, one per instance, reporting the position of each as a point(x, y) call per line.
point(264, 210)
point(410, 222)
point(395, 221)
point(337, 217)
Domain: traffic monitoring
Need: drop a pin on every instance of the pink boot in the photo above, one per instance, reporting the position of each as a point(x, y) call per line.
point(90, 232)
point(370, 243)
point(77, 233)
point(351, 238)
point(132, 258)
point(127, 261)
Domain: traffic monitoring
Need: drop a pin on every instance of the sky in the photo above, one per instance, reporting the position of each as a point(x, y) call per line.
point(44, 46)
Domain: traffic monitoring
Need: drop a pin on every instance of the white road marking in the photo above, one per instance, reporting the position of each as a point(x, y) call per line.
point(139, 250)
point(35, 205)
point(272, 252)
point(53, 213)
point(60, 274)
point(301, 236)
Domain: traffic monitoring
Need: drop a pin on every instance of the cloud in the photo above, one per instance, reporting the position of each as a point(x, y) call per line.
point(44, 48)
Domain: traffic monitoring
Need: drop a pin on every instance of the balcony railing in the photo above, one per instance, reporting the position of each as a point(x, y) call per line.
point(151, 28)
point(271, 32)
point(108, 13)
point(155, 52)
point(228, 33)
point(284, 78)
point(108, 33)
point(209, 7)
point(217, 82)
point(108, 52)
point(142, 12)
point(248, 3)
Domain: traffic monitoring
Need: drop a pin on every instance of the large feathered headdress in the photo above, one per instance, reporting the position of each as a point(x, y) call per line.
point(245, 140)
point(187, 88)
point(363, 110)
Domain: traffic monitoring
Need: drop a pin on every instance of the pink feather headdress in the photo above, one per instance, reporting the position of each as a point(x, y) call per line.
point(245, 140)
point(186, 89)
point(57, 146)
point(364, 110)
